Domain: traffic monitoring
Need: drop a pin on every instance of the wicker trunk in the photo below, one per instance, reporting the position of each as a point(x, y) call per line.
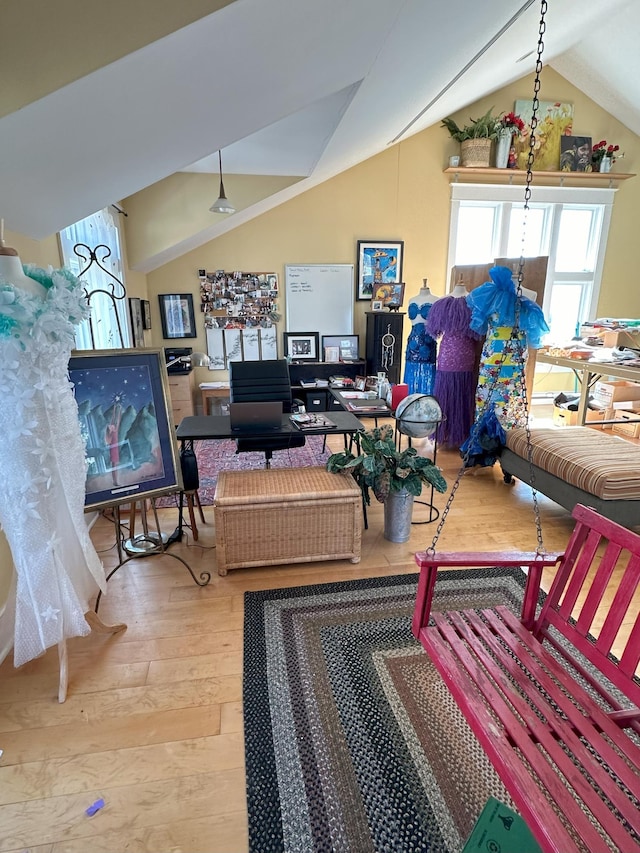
point(286, 515)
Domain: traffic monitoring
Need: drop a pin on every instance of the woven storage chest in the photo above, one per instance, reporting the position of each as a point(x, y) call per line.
point(286, 515)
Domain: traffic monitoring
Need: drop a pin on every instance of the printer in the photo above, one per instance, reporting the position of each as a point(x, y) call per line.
point(178, 359)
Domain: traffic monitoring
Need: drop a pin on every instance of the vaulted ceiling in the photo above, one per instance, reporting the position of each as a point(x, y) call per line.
point(100, 103)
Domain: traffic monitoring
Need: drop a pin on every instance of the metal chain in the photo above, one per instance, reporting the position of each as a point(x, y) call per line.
point(511, 347)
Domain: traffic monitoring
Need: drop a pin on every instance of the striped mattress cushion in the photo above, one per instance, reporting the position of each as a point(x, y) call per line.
point(598, 463)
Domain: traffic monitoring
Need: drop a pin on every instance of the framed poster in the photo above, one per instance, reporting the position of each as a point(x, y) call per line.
point(379, 263)
point(123, 408)
point(176, 315)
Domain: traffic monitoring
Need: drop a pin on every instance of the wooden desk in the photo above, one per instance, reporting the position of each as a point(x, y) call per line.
point(209, 393)
point(588, 373)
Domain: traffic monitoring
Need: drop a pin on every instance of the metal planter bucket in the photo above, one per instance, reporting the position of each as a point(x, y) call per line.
point(398, 510)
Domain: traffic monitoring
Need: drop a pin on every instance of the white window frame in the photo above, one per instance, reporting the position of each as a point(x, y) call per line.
point(498, 194)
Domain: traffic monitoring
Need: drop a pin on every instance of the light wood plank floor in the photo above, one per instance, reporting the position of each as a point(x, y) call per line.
point(153, 718)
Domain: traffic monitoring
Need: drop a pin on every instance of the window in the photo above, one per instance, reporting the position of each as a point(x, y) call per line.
point(108, 316)
point(568, 224)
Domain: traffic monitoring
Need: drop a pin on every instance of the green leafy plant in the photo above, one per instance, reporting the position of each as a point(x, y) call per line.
point(485, 127)
point(384, 469)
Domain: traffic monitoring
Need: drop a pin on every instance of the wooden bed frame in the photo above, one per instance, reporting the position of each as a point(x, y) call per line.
point(625, 512)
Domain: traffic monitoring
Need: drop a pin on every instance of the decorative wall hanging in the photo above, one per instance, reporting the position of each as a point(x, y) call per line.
point(238, 300)
point(233, 344)
point(176, 313)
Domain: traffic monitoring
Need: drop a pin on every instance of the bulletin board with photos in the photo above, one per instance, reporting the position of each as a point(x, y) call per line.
point(238, 300)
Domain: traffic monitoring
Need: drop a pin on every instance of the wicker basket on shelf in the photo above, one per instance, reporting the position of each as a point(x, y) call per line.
point(475, 152)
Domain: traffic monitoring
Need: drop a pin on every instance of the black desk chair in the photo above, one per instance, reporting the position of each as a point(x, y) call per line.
point(256, 381)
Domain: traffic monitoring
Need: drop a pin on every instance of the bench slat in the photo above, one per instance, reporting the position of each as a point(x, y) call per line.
point(584, 715)
point(505, 673)
point(579, 568)
point(597, 588)
point(551, 834)
point(620, 605)
point(631, 655)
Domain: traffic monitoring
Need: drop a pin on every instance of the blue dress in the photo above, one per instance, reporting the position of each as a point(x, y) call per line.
point(420, 355)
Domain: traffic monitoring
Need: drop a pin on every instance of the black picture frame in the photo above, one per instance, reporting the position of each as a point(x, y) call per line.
point(379, 262)
point(302, 346)
point(124, 395)
point(575, 154)
point(177, 316)
point(146, 314)
point(137, 326)
point(348, 345)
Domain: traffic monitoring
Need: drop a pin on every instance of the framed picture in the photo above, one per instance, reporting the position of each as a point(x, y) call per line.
point(390, 295)
point(378, 263)
point(123, 407)
point(555, 120)
point(348, 346)
point(176, 314)
point(301, 346)
point(359, 383)
point(575, 154)
point(137, 327)
point(146, 314)
point(376, 305)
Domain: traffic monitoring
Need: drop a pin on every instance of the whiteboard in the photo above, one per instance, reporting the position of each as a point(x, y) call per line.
point(319, 298)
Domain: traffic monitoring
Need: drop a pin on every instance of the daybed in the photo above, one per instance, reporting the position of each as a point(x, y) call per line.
point(579, 465)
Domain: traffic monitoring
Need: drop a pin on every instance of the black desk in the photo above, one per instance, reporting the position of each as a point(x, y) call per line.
point(212, 427)
point(200, 427)
point(376, 408)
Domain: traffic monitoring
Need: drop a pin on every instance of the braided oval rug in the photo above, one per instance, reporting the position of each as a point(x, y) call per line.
point(353, 742)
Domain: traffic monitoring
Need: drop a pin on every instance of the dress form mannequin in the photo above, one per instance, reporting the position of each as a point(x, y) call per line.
point(420, 356)
point(499, 399)
point(56, 570)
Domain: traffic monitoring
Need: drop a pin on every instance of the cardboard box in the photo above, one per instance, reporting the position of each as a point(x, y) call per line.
point(567, 417)
point(608, 393)
point(621, 339)
point(623, 425)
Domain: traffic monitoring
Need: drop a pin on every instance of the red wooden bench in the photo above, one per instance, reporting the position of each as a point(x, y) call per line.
point(564, 744)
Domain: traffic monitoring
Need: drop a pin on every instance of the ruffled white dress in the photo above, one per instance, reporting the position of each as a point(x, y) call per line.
point(42, 465)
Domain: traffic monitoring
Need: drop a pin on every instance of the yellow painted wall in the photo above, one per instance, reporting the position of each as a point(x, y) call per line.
point(401, 193)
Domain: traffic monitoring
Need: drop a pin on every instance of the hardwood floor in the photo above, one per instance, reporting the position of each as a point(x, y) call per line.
point(153, 719)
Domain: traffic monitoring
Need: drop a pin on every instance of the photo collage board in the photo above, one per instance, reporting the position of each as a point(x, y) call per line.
point(239, 300)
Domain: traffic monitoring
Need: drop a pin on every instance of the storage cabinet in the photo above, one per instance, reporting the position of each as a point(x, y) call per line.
point(181, 394)
point(318, 399)
point(384, 355)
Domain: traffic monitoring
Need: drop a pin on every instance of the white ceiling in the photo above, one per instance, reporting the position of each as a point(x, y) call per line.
point(294, 87)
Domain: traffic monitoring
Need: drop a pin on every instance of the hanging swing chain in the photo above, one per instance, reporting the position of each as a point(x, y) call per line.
point(511, 347)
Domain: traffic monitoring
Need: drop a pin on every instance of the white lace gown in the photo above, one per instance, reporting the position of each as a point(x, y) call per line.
point(57, 570)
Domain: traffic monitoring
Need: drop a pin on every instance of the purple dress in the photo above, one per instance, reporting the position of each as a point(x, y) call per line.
point(455, 384)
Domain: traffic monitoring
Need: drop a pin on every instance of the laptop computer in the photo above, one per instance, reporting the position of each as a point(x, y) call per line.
point(255, 417)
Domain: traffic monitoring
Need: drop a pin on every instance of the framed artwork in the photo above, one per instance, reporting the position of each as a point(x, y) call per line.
point(376, 305)
point(176, 314)
point(389, 295)
point(555, 120)
point(378, 263)
point(146, 314)
point(575, 154)
point(348, 346)
point(123, 406)
point(137, 327)
point(301, 346)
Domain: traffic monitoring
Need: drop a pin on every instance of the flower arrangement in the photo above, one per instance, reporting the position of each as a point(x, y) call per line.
point(512, 122)
point(602, 149)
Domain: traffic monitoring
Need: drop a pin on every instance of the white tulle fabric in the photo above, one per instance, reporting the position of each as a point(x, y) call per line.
point(56, 568)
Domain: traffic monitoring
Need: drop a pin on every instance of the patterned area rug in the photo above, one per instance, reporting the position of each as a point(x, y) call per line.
point(353, 742)
point(215, 456)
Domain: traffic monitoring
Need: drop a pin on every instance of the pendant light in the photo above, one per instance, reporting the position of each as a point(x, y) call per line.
point(222, 205)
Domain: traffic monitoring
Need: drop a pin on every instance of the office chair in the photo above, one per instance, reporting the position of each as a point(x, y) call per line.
point(257, 381)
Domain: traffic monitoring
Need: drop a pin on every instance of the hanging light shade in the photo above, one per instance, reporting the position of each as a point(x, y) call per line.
point(222, 205)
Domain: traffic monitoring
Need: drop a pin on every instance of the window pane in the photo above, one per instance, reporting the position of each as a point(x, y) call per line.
point(564, 312)
point(533, 234)
point(575, 252)
point(474, 241)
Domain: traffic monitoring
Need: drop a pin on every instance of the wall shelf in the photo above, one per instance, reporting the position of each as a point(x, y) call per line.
point(519, 176)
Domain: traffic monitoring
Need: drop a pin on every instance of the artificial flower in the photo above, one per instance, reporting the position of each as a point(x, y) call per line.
point(511, 121)
point(603, 149)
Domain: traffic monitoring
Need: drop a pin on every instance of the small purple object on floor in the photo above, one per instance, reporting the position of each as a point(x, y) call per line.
point(95, 807)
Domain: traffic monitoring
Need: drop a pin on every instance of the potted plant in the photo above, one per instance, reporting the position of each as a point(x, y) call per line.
point(475, 138)
point(603, 156)
point(395, 477)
